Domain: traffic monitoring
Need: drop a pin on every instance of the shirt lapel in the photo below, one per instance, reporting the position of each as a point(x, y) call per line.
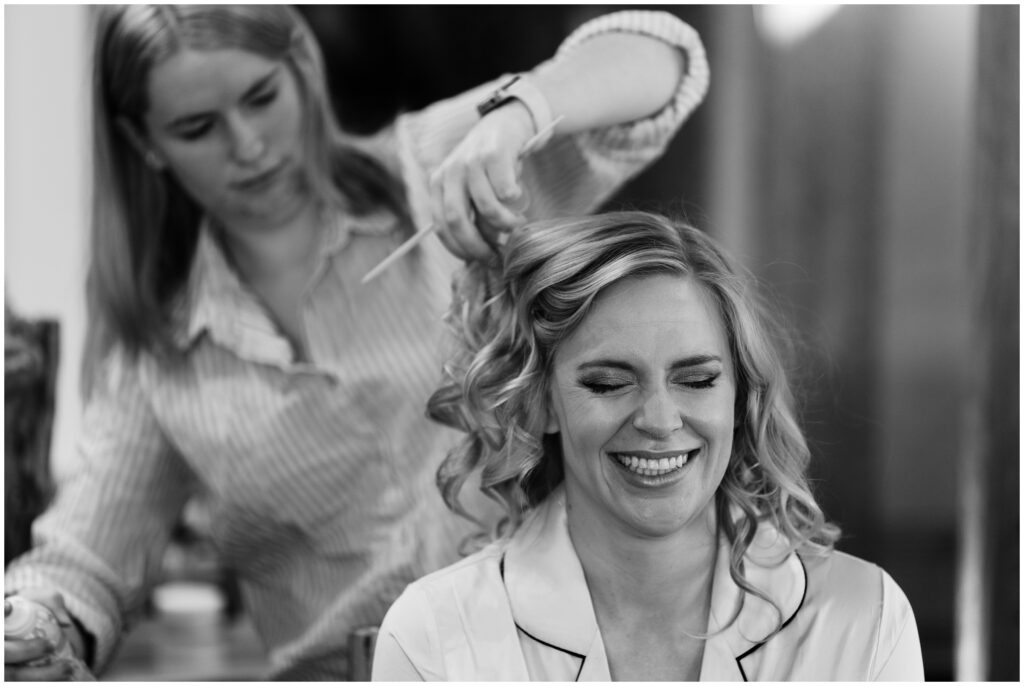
point(547, 590)
point(595, 665)
point(550, 600)
point(771, 567)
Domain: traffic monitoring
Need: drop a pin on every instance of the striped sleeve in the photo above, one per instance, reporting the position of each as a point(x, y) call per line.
point(101, 542)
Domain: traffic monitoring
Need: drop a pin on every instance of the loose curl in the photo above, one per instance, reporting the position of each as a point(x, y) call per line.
point(509, 318)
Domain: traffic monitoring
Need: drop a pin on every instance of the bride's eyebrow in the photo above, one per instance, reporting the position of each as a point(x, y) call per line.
point(613, 363)
point(695, 361)
point(605, 363)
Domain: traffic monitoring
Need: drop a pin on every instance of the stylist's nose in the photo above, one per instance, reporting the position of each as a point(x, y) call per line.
point(247, 144)
point(658, 415)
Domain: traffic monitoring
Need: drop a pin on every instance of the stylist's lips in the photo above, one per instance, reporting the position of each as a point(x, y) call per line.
point(261, 181)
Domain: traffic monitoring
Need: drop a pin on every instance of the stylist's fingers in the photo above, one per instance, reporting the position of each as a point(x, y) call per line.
point(505, 173)
point(59, 670)
point(454, 214)
point(437, 211)
point(493, 216)
point(19, 651)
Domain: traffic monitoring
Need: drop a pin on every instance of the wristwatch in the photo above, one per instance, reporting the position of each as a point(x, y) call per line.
point(521, 88)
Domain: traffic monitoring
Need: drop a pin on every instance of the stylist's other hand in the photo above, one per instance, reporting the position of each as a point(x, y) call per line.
point(33, 659)
point(476, 194)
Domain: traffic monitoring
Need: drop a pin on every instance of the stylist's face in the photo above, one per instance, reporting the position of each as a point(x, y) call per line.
point(228, 124)
point(642, 394)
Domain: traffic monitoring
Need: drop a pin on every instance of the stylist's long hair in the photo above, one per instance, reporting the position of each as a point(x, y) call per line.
point(508, 320)
point(145, 227)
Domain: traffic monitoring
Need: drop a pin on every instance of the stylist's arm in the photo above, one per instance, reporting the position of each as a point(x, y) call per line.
point(609, 79)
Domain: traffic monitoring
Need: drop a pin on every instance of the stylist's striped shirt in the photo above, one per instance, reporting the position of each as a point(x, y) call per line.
point(319, 475)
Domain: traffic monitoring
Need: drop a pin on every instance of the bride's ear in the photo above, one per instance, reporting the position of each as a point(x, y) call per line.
point(550, 418)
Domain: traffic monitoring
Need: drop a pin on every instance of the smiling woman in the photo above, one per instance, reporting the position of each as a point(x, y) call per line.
point(642, 397)
point(621, 394)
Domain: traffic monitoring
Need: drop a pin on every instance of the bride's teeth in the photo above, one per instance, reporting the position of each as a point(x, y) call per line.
point(653, 467)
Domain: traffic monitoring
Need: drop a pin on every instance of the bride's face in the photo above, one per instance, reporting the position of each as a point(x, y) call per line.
point(643, 395)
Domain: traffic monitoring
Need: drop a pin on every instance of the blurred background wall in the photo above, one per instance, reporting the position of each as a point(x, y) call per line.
point(46, 171)
point(863, 161)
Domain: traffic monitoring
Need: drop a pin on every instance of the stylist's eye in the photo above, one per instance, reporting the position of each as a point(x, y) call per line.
point(264, 98)
point(195, 131)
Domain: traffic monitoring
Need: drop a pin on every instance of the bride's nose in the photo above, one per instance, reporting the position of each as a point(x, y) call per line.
point(658, 414)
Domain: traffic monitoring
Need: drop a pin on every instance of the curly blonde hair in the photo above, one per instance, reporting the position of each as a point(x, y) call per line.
point(509, 318)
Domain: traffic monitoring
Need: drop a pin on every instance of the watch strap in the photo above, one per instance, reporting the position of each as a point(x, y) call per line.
point(520, 87)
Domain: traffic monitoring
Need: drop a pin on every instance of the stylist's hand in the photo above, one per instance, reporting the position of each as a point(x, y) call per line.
point(476, 193)
point(32, 660)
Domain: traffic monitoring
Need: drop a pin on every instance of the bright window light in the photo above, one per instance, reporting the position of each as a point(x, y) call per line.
point(787, 25)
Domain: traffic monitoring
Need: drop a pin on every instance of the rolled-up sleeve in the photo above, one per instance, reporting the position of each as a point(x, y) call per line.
point(101, 542)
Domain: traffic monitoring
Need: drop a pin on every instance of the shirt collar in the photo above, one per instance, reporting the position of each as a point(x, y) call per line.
point(546, 587)
point(212, 289)
point(551, 602)
point(770, 566)
point(216, 301)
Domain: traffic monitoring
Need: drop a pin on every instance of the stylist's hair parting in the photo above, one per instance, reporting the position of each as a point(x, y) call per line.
point(508, 319)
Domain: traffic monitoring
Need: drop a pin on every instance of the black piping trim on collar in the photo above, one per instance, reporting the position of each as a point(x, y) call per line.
point(583, 658)
point(784, 624)
point(580, 670)
point(551, 645)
